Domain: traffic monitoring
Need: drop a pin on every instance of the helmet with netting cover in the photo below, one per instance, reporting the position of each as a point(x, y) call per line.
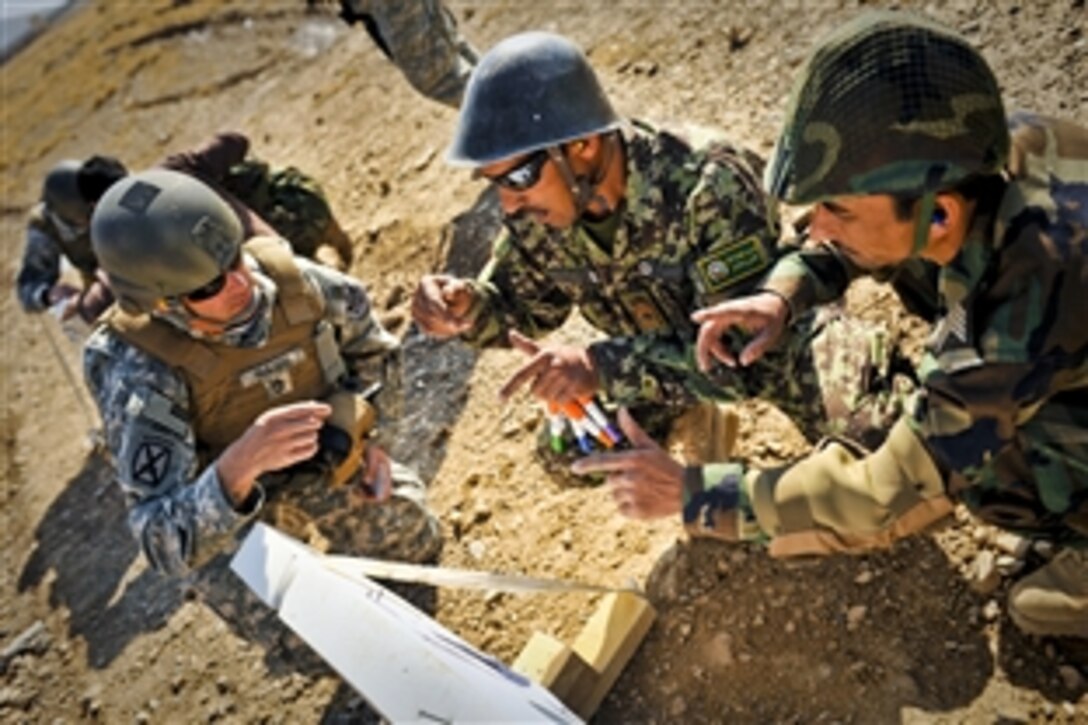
point(531, 91)
point(161, 234)
point(888, 104)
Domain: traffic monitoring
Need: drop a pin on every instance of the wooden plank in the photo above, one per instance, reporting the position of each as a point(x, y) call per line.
point(553, 664)
point(608, 641)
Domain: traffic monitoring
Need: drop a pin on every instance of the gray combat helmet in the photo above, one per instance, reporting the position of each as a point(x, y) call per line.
point(161, 234)
point(60, 192)
point(531, 91)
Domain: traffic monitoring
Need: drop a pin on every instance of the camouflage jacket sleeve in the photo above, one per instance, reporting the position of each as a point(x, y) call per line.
point(39, 271)
point(811, 276)
point(512, 293)
point(372, 353)
point(840, 498)
point(178, 513)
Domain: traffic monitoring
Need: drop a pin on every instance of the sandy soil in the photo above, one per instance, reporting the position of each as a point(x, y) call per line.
point(895, 636)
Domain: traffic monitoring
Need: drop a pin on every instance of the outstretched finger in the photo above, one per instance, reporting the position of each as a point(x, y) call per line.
point(523, 343)
point(526, 373)
point(605, 463)
point(306, 410)
point(760, 344)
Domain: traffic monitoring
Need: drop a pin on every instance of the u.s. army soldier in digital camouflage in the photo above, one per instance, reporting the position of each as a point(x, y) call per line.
point(229, 375)
point(58, 229)
point(421, 38)
point(898, 135)
point(637, 228)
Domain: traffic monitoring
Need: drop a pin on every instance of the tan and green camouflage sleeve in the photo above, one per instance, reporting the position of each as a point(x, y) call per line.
point(839, 499)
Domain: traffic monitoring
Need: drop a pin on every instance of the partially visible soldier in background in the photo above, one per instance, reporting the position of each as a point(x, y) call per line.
point(897, 134)
point(230, 374)
point(278, 200)
point(637, 227)
point(58, 229)
point(284, 202)
point(421, 38)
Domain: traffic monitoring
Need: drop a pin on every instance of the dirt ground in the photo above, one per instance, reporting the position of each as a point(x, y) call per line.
point(899, 636)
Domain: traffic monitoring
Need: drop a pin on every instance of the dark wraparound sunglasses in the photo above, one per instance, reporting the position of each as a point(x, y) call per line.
point(215, 286)
point(523, 176)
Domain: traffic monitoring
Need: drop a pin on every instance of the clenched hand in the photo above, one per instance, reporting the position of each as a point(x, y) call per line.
point(280, 437)
point(440, 305)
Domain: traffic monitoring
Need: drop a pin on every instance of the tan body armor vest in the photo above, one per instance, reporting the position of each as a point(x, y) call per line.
point(231, 386)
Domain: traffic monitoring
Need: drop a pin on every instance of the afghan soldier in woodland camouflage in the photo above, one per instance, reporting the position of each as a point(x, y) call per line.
point(637, 227)
point(218, 379)
point(897, 133)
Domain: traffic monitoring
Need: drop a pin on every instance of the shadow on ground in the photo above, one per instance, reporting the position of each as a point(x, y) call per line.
point(85, 540)
point(839, 639)
point(436, 372)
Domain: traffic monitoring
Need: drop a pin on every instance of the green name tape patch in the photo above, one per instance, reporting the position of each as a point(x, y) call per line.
point(729, 265)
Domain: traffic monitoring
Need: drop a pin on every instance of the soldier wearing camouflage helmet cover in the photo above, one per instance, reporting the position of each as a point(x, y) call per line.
point(637, 227)
point(897, 133)
point(57, 229)
point(219, 374)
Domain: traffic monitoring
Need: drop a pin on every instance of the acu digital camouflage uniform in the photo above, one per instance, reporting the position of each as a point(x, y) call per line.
point(49, 239)
point(693, 229)
point(57, 231)
point(421, 38)
point(153, 418)
point(1001, 420)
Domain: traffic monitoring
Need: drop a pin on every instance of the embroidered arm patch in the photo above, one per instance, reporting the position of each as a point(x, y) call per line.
point(725, 267)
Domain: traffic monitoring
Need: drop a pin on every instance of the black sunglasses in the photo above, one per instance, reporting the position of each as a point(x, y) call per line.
point(523, 176)
point(214, 287)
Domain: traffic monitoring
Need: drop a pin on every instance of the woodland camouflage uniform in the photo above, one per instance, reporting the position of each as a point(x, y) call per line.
point(1001, 421)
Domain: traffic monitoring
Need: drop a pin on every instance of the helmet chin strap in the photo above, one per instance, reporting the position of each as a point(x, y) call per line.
point(922, 222)
point(584, 189)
